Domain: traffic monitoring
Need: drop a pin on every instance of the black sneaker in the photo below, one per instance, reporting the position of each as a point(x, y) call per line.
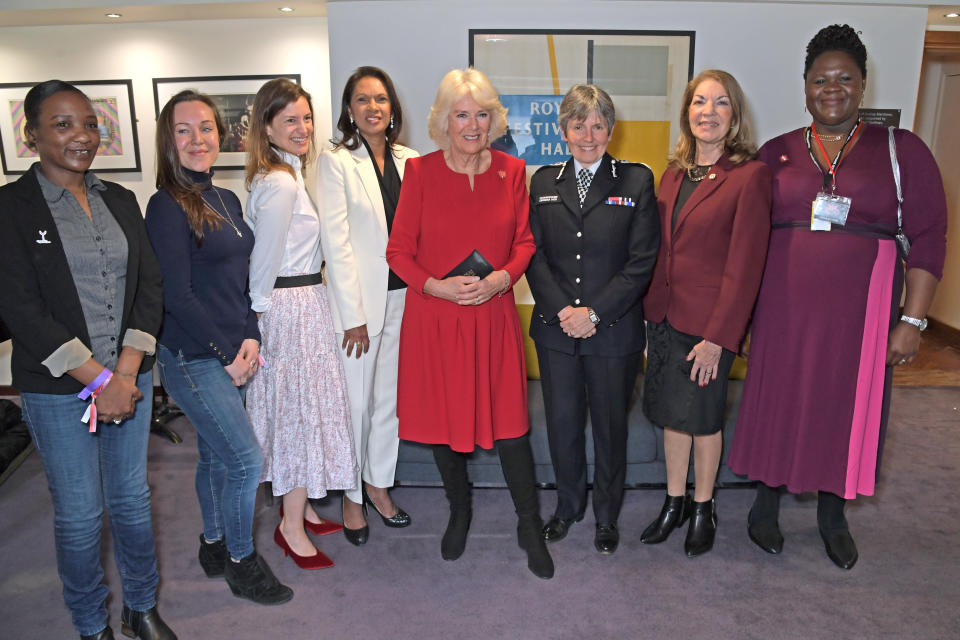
point(252, 579)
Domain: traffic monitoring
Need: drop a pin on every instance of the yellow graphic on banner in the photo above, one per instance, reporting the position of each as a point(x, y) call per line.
point(643, 141)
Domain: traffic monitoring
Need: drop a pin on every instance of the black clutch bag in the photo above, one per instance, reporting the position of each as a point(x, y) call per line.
point(474, 265)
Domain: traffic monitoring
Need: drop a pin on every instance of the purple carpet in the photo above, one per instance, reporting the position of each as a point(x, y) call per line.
point(906, 584)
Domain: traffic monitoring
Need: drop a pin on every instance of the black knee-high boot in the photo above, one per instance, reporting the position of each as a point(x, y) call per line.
point(516, 460)
point(453, 470)
point(833, 527)
point(762, 525)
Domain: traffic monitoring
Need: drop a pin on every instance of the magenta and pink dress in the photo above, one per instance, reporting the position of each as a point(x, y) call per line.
point(814, 407)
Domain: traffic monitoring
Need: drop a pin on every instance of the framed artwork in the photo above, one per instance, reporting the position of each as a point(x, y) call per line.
point(233, 96)
point(645, 72)
point(113, 102)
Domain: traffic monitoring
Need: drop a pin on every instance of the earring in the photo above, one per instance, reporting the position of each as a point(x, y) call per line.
point(352, 123)
point(391, 121)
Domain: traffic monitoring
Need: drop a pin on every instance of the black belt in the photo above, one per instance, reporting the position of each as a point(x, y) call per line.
point(291, 282)
point(851, 228)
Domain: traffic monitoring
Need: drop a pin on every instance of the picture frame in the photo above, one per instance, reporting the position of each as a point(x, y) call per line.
point(645, 73)
point(113, 102)
point(233, 96)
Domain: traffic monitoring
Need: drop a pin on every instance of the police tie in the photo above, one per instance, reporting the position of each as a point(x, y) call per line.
point(584, 177)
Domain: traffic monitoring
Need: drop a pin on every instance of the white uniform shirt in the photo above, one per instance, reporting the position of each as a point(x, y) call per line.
point(286, 226)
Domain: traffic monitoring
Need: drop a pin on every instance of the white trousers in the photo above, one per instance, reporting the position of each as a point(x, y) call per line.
point(372, 391)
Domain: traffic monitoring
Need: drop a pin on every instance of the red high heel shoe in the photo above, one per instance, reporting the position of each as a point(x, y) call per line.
point(318, 561)
point(321, 528)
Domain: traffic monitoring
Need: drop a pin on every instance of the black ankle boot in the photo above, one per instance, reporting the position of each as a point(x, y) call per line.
point(145, 625)
point(703, 528)
point(453, 471)
point(834, 530)
point(213, 557)
point(105, 634)
point(516, 460)
point(675, 511)
point(251, 578)
point(762, 525)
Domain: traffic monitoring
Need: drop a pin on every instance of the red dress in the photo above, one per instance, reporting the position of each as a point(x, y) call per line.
point(462, 379)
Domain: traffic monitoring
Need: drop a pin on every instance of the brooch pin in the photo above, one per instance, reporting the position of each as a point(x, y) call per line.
point(502, 174)
point(784, 158)
point(43, 238)
point(712, 176)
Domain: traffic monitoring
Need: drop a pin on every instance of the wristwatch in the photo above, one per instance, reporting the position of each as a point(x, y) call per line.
point(595, 319)
point(917, 322)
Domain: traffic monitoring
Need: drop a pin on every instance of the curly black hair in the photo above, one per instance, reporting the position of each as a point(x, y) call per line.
point(836, 37)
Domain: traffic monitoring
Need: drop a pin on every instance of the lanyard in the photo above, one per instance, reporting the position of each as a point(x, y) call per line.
point(836, 161)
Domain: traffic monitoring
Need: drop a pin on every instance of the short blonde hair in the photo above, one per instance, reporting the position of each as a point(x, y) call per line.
point(455, 85)
point(738, 145)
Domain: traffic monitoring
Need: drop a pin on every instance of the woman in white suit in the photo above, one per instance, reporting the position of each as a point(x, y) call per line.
point(359, 185)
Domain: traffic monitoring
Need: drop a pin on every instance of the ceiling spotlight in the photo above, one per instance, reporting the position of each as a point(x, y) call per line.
point(286, 9)
point(113, 15)
point(951, 15)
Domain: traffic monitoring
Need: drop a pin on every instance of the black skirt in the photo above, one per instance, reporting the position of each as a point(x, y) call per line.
point(670, 399)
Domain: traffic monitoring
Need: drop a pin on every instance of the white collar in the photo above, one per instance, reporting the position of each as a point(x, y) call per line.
point(290, 159)
point(592, 168)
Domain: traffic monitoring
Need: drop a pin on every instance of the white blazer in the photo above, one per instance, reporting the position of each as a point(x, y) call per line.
point(353, 235)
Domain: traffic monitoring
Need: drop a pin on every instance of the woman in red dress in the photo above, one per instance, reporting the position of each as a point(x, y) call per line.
point(462, 379)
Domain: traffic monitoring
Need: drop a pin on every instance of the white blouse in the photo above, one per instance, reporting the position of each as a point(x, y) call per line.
point(286, 227)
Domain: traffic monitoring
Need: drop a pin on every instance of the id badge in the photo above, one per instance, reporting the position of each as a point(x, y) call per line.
point(829, 209)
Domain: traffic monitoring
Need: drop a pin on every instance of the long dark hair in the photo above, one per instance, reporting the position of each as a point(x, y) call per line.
point(272, 98)
point(171, 174)
point(35, 97)
point(350, 135)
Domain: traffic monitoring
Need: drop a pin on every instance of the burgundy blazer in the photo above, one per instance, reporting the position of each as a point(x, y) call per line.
point(709, 268)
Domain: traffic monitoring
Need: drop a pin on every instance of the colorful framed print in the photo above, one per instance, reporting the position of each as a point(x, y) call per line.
point(113, 103)
point(645, 72)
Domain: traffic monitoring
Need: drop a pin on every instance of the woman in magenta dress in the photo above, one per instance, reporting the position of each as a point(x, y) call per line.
point(462, 380)
point(827, 329)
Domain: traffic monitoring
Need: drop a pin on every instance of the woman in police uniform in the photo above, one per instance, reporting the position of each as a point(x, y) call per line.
point(595, 223)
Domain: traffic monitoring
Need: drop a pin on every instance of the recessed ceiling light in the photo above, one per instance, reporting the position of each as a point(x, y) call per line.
point(951, 15)
point(113, 15)
point(286, 9)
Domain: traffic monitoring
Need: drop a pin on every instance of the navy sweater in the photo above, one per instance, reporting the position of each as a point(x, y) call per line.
point(206, 298)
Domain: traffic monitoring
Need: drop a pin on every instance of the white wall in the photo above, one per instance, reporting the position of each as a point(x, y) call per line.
point(946, 303)
point(762, 44)
point(143, 51)
point(147, 50)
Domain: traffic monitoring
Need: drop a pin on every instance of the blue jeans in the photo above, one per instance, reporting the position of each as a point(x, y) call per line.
point(85, 473)
point(230, 460)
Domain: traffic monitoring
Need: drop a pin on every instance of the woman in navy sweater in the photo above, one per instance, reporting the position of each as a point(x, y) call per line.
point(208, 347)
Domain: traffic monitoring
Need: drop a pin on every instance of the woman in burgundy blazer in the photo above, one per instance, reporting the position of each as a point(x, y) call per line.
point(714, 207)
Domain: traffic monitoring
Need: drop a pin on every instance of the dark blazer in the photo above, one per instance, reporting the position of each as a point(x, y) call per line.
point(600, 256)
point(709, 268)
point(38, 300)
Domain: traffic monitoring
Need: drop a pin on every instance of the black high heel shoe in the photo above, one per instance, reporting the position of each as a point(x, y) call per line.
point(356, 537)
point(397, 521)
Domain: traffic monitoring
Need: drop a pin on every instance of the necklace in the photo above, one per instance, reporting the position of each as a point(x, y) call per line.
point(836, 138)
point(700, 173)
point(225, 218)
